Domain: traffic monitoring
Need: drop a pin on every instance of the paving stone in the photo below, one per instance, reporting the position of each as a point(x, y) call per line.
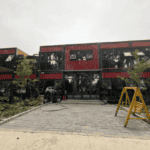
point(80, 118)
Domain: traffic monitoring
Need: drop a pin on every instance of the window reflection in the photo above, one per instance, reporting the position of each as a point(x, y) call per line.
point(69, 83)
point(122, 58)
point(51, 61)
point(76, 55)
point(7, 61)
point(116, 58)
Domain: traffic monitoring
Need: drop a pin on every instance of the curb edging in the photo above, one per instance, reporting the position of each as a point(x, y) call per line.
point(20, 114)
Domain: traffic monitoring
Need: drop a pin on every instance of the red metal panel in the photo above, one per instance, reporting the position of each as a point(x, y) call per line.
point(140, 44)
point(51, 76)
point(115, 45)
point(122, 74)
point(83, 64)
point(9, 51)
point(5, 76)
point(51, 49)
point(32, 76)
point(9, 76)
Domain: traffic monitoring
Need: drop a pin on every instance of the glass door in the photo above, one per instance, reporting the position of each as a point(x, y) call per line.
point(78, 87)
point(82, 88)
point(86, 86)
point(69, 85)
point(95, 86)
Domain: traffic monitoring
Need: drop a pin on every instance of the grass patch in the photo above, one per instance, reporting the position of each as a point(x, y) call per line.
point(8, 110)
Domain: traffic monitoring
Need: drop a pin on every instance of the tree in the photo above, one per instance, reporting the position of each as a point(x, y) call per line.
point(24, 70)
point(137, 71)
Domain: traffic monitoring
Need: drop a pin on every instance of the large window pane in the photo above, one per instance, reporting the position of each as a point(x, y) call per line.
point(76, 55)
point(7, 61)
point(51, 61)
point(69, 83)
point(144, 54)
point(116, 58)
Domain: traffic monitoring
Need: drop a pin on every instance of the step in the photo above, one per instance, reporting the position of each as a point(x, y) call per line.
point(81, 102)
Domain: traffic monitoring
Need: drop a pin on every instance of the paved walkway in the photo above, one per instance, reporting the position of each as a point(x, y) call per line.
point(80, 119)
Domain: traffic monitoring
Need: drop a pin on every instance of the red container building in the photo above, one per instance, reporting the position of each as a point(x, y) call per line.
point(82, 66)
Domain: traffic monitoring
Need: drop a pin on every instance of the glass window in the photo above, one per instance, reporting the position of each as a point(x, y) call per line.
point(72, 56)
point(69, 83)
point(127, 54)
point(43, 56)
point(51, 61)
point(116, 58)
point(76, 55)
point(7, 61)
point(107, 83)
point(144, 54)
point(9, 58)
point(142, 84)
point(95, 78)
point(118, 83)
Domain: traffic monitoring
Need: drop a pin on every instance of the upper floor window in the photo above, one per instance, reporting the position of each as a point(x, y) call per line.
point(51, 61)
point(116, 58)
point(9, 58)
point(7, 61)
point(76, 55)
point(144, 54)
point(123, 58)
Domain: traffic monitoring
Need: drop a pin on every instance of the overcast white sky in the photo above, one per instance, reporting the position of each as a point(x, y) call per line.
point(29, 24)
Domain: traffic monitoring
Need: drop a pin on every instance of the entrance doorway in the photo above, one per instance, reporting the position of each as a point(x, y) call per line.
point(82, 85)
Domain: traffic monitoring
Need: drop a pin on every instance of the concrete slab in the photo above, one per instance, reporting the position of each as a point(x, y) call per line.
point(75, 126)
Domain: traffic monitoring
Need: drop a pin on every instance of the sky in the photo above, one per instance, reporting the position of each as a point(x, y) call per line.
point(29, 24)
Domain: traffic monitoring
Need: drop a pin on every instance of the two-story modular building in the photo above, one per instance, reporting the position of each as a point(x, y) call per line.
point(8, 64)
point(84, 67)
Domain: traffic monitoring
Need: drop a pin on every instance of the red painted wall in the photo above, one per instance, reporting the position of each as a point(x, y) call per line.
point(51, 49)
point(9, 76)
point(51, 76)
point(9, 51)
point(140, 44)
point(122, 74)
point(115, 45)
point(83, 64)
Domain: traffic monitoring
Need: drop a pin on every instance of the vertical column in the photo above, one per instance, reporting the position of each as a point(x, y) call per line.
point(64, 74)
point(131, 58)
point(39, 62)
point(63, 68)
point(90, 83)
point(100, 56)
point(81, 85)
point(63, 57)
point(100, 81)
point(75, 84)
point(100, 67)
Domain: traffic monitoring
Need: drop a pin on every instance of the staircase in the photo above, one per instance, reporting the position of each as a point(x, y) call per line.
point(87, 102)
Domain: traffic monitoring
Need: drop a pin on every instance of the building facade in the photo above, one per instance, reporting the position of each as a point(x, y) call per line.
point(84, 67)
point(8, 64)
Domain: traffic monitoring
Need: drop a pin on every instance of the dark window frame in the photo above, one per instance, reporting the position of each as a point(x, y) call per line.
point(80, 54)
point(46, 60)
